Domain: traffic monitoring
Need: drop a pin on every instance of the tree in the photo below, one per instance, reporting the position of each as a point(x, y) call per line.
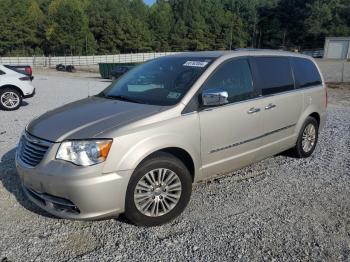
point(327, 18)
point(121, 26)
point(36, 21)
point(19, 35)
point(189, 25)
point(139, 37)
point(67, 31)
point(161, 20)
point(106, 22)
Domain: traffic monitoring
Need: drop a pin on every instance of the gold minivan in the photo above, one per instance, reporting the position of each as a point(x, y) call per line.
point(139, 145)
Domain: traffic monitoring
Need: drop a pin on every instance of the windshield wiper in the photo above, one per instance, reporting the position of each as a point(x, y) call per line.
point(122, 98)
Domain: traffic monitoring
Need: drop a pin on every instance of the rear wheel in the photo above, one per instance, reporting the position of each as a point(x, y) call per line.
point(307, 139)
point(10, 99)
point(158, 191)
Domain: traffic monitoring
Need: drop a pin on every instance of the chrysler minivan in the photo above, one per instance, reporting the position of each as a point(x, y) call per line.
point(138, 146)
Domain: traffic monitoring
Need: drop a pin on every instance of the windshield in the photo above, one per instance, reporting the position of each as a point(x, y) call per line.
point(163, 81)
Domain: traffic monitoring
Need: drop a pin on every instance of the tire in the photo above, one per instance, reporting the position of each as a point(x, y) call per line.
point(7, 99)
point(299, 150)
point(167, 163)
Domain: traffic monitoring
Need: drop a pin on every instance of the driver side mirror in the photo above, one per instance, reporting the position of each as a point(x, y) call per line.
point(214, 97)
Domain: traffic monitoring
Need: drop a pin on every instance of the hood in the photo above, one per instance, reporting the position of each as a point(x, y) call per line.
point(87, 118)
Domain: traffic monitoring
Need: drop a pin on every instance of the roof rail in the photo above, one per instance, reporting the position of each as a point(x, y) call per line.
point(256, 49)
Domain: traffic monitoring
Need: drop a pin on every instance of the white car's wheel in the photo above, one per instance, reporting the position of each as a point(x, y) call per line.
point(10, 99)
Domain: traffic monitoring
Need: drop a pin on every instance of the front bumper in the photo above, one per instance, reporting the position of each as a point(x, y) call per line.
point(73, 192)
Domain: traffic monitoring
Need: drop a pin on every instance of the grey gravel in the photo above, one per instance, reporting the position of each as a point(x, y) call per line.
point(279, 209)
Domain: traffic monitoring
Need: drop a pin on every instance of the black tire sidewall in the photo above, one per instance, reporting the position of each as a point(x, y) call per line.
point(161, 161)
point(299, 147)
point(3, 107)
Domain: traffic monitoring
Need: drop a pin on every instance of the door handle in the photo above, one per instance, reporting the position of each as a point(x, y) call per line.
point(270, 106)
point(253, 110)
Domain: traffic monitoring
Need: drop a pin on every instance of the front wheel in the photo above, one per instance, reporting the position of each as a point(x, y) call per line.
point(307, 139)
point(10, 99)
point(158, 191)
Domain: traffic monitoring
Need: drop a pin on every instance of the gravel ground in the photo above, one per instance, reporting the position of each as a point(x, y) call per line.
point(279, 209)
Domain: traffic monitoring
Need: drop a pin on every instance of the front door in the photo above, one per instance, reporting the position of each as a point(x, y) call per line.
point(230, 133)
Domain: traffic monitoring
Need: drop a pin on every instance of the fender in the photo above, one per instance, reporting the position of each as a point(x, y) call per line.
point(182, 133)
point(310, 109)
point(146, 147)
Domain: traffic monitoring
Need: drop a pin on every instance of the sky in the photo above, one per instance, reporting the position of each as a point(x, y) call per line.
point(149, 2)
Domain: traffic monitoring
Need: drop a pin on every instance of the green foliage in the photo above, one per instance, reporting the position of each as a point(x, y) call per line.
point(79, 27)
point(18, 27)
point(67, 28)
point(161, 21)
point(328, 18)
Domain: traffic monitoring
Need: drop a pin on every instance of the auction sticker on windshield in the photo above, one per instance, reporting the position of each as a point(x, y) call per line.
point(195, 63)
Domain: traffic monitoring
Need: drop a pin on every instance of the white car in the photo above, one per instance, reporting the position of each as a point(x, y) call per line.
point(14, 87)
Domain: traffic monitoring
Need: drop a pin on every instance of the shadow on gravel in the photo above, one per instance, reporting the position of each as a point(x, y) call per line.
point(24, 103)
point(11, 182)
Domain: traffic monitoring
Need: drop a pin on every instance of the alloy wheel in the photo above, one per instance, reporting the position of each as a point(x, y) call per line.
point(309, 138)
point(157, 192)
point(10, 99)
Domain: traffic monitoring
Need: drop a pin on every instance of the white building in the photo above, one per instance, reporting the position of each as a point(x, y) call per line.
point(337, 48)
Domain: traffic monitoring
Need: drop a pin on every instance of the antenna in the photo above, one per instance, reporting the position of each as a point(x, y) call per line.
point(88, 88)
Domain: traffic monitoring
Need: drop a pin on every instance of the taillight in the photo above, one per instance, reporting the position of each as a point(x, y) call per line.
point(25, 78)
point(29, 70)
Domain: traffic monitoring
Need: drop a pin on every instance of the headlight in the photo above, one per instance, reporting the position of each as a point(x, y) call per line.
point(84, 153)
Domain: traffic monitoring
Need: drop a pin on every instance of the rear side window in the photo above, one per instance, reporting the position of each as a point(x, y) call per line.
point(305, 73)
point(275, 74)
point(234, 77)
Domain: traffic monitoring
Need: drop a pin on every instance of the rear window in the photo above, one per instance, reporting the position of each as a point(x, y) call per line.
point(12, 68)
point(276, 74)
point(305, 73)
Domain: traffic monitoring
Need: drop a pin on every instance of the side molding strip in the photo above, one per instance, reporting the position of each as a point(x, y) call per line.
point(249, 140)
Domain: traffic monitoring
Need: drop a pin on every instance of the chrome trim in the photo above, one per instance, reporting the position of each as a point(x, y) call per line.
point(37, 140)
point(232, 104)
point(270, 106)
point(295, 90)
point(214, 97)
point(189, 113)
point(253, 110)
point(250, 140)
point(265, 96)
point(31, 150)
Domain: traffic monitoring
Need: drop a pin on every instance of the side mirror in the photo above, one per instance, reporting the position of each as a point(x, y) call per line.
point(214, 97)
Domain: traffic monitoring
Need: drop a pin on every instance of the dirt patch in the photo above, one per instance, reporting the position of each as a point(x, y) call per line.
point(339, 94)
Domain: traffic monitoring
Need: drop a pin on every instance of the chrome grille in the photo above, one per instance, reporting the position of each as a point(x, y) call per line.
point(31, 150)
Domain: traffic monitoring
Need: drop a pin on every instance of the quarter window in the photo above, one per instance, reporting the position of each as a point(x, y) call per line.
point(276, 75)
point(2, 72)
point(306, 73)
point(234, 77)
